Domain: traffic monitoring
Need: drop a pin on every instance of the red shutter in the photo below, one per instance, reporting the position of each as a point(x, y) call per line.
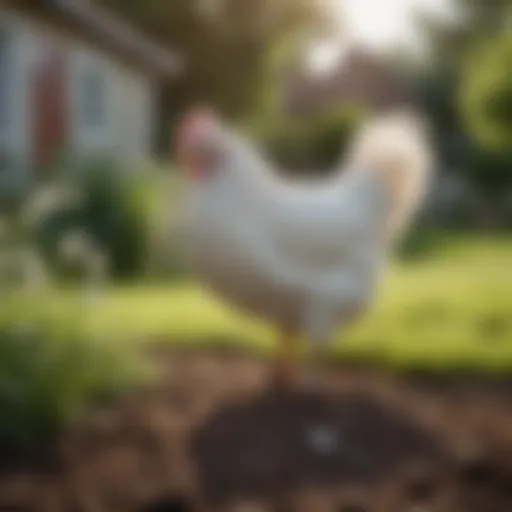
point(49, 108)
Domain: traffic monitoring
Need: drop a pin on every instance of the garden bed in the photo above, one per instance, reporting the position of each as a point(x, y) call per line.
point(211, 436)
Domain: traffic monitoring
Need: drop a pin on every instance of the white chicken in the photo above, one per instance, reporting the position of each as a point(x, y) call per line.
point(305, 257)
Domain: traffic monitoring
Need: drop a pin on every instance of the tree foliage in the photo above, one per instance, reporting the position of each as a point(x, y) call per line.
point(476, 20)
point(486, 93)
point(467, 90)
point(232, 48)
point(313, 144)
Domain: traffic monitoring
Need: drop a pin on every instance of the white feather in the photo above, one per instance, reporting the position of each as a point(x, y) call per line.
point(306, 257)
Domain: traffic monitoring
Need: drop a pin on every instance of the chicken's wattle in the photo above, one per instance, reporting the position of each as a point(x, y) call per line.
point(193, 154)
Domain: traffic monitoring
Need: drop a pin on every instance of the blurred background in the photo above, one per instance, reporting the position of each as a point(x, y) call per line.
point(90, 94)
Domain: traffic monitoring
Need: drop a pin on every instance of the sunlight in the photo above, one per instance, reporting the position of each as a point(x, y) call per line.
point(379, 25)
point(387, 22)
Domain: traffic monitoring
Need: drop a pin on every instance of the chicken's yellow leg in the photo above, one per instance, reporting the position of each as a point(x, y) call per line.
point(285, 372)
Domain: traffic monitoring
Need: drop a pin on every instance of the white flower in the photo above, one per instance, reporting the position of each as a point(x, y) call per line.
point(75, 246)
point(49, 199)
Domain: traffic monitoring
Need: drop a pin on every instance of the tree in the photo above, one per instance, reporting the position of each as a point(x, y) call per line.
point(485, 95)
point(314, 144)
point(450, 40)
point(485, 104)
point(232, 48)
point(456, 70)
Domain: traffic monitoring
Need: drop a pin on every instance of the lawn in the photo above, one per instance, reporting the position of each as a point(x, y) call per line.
point(450, 309)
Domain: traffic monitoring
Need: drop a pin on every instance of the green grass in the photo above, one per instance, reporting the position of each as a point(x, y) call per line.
point(450, 310)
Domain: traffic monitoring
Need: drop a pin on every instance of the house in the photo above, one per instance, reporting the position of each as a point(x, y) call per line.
point(359, 78)
point(74, 76)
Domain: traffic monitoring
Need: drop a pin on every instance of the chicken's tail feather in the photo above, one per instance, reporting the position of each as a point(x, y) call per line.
point(396, 147)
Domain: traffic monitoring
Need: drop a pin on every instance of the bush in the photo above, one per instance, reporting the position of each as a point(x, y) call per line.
point(108, 206)
point(491, 171)
point(47, 378)
point(313, 143)
point(485, 97)
point(486, 93)
point(14, 181)
point(53, 367)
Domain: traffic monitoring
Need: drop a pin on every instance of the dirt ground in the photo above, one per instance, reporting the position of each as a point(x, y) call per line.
point(212, 437)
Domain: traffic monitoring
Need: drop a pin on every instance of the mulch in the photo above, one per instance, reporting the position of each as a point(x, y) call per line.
point(212, 436)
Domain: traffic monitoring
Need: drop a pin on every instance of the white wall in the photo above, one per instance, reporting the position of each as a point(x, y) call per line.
point(15, 138)
point(132, 112)
point(127, 131)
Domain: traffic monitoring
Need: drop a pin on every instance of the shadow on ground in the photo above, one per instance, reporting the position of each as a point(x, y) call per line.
point(274, 443)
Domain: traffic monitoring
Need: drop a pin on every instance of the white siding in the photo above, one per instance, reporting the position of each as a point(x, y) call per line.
point(126, 133)
point(14, 138)
point(133, 125)
point(86, 137)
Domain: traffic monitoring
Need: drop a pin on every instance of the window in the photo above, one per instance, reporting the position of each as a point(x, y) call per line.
point(5, 81)
point(93, 101)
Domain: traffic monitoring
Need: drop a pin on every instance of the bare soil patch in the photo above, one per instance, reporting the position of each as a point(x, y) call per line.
point(211, 436)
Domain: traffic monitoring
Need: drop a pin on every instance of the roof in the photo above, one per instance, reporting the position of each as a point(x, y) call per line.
point(360, 77)
point(113, 32)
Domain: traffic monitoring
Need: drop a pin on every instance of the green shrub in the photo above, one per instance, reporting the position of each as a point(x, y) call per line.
point(109, 206)
point(316, 142)
point(491, 171)
point(47, 378)
point(486, 92)
point(14, 181)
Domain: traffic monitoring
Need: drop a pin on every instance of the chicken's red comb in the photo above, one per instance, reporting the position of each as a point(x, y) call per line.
point(196, 123)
